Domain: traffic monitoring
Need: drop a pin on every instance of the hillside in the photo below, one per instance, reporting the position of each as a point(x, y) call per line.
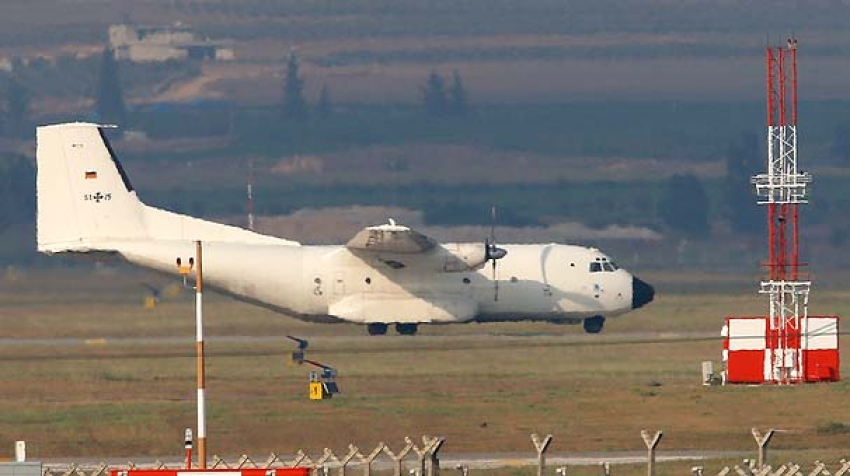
point(577, 116)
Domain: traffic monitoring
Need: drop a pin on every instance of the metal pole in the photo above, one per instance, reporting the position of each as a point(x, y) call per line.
point(199, 324)
point(541, 446)
point(20, 451)
point(762, 441)
point(651, 444)
point(188, 442)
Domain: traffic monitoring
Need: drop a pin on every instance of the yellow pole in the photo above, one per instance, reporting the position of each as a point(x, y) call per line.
point(199, 324)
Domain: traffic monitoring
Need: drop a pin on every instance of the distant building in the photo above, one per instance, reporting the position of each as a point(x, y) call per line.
point(156, 43)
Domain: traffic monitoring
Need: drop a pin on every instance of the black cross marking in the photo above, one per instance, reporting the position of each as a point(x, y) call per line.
point(98, 197)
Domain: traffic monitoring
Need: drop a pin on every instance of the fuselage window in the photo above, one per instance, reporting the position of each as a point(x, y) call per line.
point(607, 266)
point(595, 267)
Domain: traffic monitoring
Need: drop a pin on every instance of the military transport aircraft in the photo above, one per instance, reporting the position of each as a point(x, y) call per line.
point(386, 274)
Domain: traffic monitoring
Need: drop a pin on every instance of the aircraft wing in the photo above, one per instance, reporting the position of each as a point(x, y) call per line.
point(397, 246)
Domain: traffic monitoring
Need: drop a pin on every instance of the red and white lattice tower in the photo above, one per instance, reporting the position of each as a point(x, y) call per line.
point(783, 188)
point(787, 346)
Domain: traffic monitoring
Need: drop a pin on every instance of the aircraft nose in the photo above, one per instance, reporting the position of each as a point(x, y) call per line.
point(642, 293)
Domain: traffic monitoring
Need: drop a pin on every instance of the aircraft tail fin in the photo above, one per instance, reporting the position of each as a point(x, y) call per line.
point(87, 203)
point(84, 195)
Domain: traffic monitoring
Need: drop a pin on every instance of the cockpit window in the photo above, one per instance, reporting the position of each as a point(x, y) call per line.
point(602, 263)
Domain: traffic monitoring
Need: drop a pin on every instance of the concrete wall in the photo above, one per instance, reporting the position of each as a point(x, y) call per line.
point(28, 468)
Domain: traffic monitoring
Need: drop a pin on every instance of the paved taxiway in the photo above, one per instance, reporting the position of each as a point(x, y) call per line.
point(389, 343)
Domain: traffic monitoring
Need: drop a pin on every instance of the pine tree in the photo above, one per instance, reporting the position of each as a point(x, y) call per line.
point(457, 95)
point(324, 106)
point(17, 181)
point(17, 109)
point(109, 102)
point(294, 106)
point(742, 162)
point(434, 95)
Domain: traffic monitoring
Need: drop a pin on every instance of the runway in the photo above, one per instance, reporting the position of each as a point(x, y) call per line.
point(382, 344)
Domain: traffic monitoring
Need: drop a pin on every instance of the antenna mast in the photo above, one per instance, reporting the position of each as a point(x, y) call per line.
point(782, 188)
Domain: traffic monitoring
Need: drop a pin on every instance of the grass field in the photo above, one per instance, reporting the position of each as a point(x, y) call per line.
point(98, 392)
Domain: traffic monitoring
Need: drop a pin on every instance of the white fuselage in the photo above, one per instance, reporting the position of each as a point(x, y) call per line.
point(386, 274)
point(539, 282)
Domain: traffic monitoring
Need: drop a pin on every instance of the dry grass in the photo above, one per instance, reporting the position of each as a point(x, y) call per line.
point(483, 387)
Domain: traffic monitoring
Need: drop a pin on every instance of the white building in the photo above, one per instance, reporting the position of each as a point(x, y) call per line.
point(158, 43)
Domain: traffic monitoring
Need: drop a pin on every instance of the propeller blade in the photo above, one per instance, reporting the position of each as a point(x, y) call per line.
point(495, 282)
point(492, 252)
point(493, 224)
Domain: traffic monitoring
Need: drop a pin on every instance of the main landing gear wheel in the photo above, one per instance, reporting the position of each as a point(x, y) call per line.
point(593, 325)
point(377, 328)
point(406, 329)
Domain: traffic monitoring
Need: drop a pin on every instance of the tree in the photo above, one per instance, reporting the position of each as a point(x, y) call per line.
point(683, 205)
point(294, 106)
point(17, 109)
point(434, 95)
point(17, 182)
point(742, 162)
point(457, 95)
point(324, 106)
point(109, 102)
